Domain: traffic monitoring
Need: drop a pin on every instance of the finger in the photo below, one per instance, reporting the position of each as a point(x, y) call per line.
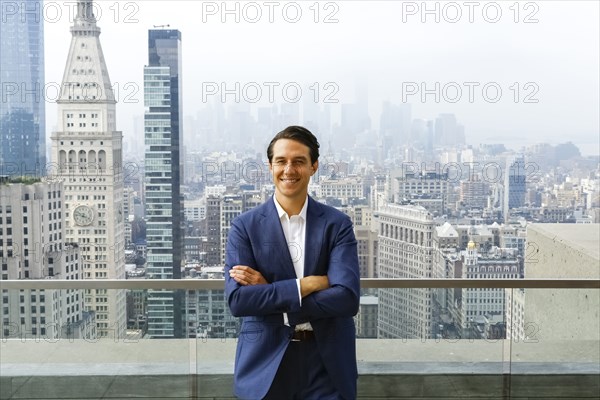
point(237, 275)
point(246, 269)
point(240, 279)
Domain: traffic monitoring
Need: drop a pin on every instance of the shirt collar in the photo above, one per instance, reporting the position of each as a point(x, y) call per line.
point(281, 212)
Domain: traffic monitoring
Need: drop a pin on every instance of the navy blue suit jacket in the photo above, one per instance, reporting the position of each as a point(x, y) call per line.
point(256, 239)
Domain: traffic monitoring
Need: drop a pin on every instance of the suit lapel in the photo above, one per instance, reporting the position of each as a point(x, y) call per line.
point(274, 241)
point(315, 225)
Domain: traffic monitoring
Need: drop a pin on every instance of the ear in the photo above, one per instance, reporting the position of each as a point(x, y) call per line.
point(315, 167)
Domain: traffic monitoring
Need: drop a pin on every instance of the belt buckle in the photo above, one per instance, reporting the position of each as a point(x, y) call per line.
point(293, 339)
point(302, 336)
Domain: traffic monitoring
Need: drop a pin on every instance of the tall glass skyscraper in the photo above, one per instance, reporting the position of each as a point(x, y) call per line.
point(22, 116)
point(515, 184)
point(162, 132)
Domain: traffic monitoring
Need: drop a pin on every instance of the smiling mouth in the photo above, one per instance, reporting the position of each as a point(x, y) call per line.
point(289, 180)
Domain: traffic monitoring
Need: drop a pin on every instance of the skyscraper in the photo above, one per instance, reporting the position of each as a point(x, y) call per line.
point(448, 132)
point(22, 117)
point(515, 184)
point(394, 124)
point(87, 151)
point(164, 205)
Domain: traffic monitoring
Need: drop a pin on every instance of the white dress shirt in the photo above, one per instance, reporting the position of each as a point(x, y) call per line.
point(294, 229)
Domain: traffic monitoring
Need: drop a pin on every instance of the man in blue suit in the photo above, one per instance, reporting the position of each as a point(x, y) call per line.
point(292, 273)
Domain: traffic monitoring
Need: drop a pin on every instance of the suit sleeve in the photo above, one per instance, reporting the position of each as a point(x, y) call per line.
point(254, 300)
point(341, 299)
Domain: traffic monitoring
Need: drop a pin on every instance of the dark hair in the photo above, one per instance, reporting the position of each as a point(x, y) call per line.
point(299, 134)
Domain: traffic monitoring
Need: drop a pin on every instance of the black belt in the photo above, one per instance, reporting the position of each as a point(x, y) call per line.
point(303, 336)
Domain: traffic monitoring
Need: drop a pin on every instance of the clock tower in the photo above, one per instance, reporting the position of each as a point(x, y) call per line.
point(87, 157)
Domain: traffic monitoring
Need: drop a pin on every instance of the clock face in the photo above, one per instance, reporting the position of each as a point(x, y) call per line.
point(83, 215)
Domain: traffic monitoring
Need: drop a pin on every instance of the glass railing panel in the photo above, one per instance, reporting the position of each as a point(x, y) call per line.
point(412, 342)
point(213, 331)
point(421, 343)
point(92, 343)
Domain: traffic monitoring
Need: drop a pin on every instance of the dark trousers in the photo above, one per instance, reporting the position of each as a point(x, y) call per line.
point(302, 375)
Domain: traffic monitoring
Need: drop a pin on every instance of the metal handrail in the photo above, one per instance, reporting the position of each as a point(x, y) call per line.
point(208, 284)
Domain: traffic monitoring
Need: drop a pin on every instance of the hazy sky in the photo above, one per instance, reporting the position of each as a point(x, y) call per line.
point(553, 58)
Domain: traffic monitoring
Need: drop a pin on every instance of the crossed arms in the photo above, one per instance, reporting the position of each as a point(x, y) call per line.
point(245, 276)
point(250, 293)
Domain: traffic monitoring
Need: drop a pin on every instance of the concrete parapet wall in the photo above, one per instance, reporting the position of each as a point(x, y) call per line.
point(563, 251)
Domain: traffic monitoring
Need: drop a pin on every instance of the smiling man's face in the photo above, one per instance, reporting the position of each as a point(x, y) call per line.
point(291, 169)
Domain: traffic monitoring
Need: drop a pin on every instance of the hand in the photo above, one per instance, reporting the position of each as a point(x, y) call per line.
point(313, 283)
point(245, 276)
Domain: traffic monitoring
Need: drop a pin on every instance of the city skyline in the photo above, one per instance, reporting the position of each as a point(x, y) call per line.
point(445, 54)
point(84, 240)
